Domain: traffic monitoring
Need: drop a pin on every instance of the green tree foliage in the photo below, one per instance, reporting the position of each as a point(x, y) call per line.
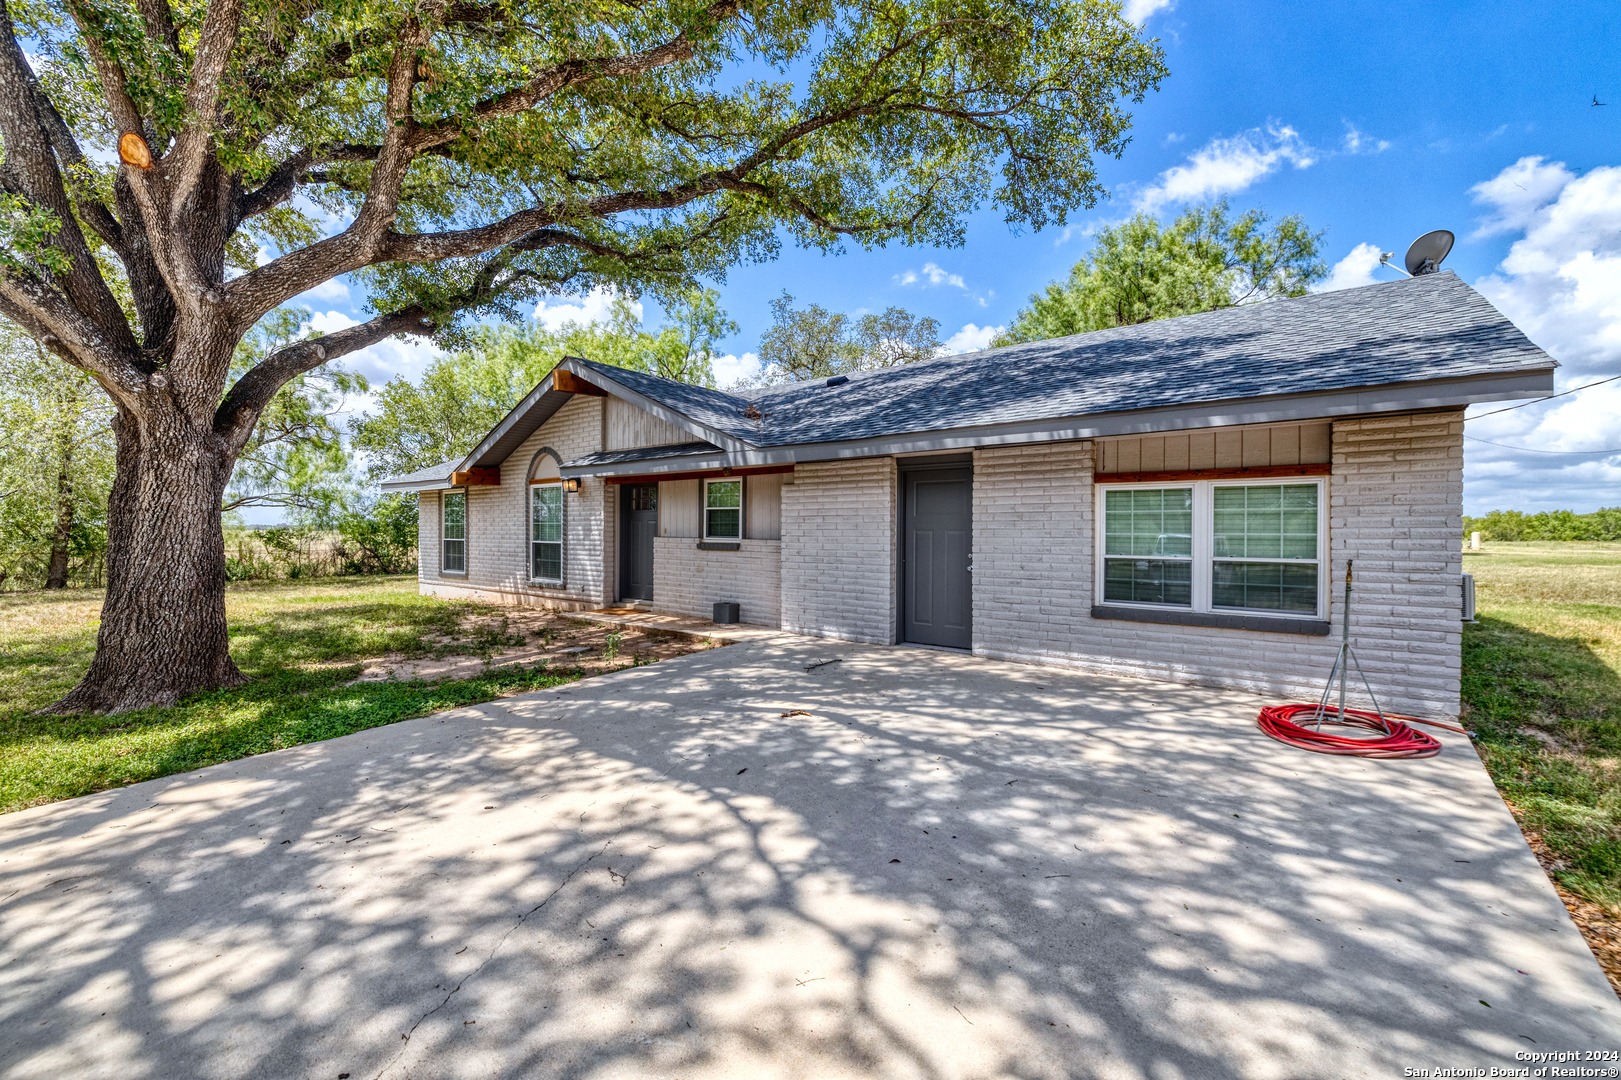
point(1512, 525)
point(295, 459)
point(464, 394)
point(1206, 259)
point(456, 161)
point(814, 343)
point(56, 468)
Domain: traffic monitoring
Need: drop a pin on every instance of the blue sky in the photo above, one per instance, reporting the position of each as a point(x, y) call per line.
point(1376, 122)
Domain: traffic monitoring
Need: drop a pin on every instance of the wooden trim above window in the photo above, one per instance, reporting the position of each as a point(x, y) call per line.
point(476, 478)
point(1256, 472)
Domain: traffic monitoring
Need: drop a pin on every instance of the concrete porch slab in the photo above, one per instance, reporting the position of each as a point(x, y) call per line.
point(752, 863)
point(687, 625)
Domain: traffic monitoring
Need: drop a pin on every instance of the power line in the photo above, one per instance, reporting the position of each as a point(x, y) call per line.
point(1532, 450)
point(1550, 397)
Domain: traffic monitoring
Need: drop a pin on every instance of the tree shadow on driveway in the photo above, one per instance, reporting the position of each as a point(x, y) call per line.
point(932, 866)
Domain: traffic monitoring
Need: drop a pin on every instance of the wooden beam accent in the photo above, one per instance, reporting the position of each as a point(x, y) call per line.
point(706, 474)
point(1172, 476)
point(570, 383)
point(476, 478)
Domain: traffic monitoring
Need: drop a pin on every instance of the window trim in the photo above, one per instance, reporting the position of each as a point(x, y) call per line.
point(443, 539)
point(1204, 559)
point(742, 506)
point(562, 535)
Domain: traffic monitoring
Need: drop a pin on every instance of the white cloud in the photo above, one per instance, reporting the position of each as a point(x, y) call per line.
point(1518, 193)
point(730, 368)
point(408, 357)
point(1561, 284)
point(1360, 142)
point(1224, 166)
point(1355, 269)
point(1138, 11)
point(592, 307)
point(933, 275)
point(970, 338)
point(328, 292)
point(328, 322)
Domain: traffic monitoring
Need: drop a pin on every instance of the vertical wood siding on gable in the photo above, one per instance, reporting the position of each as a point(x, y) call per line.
point(1218, 448)
point(679, 513)
point(763, 515)
point(681, 507)
point(629, 427)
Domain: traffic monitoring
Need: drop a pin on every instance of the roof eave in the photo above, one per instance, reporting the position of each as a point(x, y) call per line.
point(416, 485)
point(1281, 408)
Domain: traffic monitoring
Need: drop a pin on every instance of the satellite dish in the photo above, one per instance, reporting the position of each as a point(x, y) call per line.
point(1426, 253)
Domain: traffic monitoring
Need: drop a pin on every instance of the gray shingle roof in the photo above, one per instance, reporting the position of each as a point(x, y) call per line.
point(432, 473)
point(643, 453)
point(1416, 329)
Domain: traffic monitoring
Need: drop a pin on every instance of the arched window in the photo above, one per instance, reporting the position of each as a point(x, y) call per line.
point(545, 520)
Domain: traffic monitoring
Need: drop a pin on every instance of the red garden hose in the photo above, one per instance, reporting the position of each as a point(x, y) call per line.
point(1396, 741)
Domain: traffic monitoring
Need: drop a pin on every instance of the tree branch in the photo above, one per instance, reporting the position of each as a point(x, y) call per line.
point(185, 161)
point(29, 170)
point(234, 419)
point(567, 74)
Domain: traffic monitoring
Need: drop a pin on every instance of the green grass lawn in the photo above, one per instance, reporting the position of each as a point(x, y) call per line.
point(300, 641)
point(1542, 686)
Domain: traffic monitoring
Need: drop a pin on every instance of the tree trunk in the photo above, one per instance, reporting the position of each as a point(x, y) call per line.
point(163, 629)
point(56, 576)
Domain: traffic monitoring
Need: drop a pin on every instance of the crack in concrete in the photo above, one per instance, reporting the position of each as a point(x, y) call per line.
point(406, 1045)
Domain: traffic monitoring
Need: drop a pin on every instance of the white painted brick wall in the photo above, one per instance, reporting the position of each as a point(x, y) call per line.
point(687, 581)
point(498, 525)
point(838, 550)
point(1395, 506)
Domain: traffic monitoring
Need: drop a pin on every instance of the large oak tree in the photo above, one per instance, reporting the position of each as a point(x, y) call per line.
point(176, 169)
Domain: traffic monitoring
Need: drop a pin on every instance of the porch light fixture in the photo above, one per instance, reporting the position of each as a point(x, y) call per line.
point(571, 485)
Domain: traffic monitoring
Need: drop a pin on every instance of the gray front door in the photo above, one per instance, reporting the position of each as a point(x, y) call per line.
point(937, 526)
point(638, 524)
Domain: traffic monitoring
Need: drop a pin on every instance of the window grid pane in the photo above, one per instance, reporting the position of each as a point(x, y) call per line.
point(1266, 586)
point(1153, 522)
point(724, 494)
point(723, 509)
point(455, 516)
point(1149, 581)
point(726, 524)
point(1274, 521)
point(546, 513)
point(546, 561)
point(455, 556)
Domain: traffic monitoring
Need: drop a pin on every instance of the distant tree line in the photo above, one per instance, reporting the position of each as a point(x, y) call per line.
point(1512, 525)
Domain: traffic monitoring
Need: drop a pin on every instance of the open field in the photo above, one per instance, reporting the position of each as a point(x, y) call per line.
point(1542, 689)
point(302, 642)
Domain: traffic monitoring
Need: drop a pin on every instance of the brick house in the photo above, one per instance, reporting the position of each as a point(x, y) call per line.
point(1174, 500)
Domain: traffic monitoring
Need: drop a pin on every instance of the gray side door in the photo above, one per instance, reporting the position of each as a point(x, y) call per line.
point(936, 534)
point(638, 524)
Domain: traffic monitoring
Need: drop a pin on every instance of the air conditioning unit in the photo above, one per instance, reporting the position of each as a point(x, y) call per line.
point(1468, 598)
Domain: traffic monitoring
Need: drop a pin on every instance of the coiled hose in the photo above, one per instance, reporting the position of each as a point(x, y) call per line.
point(1397, 739)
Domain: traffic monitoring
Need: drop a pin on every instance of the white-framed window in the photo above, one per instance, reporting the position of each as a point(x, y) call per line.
point(1215, 546)
point(453, 534)
point(723, 509)
point(546, 531)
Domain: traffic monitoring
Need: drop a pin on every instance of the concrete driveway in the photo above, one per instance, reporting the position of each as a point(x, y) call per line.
point(949, 868)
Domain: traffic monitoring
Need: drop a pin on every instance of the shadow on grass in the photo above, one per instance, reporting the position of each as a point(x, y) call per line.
point(1547, 711)
point(43, 759)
